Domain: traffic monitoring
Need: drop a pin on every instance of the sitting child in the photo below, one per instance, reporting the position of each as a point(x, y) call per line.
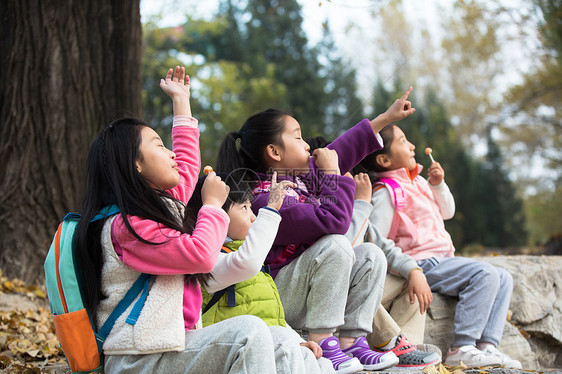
point(410, 211)
point(406, 294)
point(390, 330)
point(241, 285)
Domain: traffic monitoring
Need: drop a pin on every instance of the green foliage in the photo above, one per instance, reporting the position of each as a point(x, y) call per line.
point(474, 65)
point(543, 215)
point(551, 27)
point(225, 101)
point(506, 223)
point(250, 57)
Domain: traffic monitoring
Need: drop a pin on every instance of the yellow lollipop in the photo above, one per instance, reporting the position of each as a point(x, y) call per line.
point(208, 169)
point(428, 152)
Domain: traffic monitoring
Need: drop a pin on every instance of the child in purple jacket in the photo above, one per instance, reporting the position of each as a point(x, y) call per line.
point(325, 285)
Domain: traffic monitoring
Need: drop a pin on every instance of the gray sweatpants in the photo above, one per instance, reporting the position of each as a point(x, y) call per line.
point(484, 293)
point(240, 344)
point(292, 358)
point(332, 285)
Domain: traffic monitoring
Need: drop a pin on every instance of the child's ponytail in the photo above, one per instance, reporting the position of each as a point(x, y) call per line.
point(228, 158)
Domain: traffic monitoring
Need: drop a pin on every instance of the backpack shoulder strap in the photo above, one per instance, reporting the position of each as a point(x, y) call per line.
point(396, 192)
point(217, 295)
point(139, 287)
point(398, 200)
point(231, 298)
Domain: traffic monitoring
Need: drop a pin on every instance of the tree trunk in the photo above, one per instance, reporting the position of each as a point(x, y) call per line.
point(68, 68)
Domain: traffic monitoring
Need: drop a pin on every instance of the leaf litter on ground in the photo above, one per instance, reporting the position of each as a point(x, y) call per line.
point(27, 337)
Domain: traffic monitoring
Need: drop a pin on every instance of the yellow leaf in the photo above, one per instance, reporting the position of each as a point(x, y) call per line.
point(8, 285)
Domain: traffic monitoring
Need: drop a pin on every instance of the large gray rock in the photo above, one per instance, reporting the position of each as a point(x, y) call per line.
point(533, 335)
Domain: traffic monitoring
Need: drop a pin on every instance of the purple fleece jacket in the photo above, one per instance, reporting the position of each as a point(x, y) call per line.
point(326, 206)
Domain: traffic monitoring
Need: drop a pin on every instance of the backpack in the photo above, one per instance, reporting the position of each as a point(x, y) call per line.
point(79, 338)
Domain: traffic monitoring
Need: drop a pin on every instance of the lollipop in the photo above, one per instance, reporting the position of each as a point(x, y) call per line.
point(428, 152)
point(208, 169)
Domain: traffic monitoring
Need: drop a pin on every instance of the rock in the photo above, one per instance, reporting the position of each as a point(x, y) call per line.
point(534, 333)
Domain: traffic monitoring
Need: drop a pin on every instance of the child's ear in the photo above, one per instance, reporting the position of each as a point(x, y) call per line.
point(383, 160)
point(272, 152)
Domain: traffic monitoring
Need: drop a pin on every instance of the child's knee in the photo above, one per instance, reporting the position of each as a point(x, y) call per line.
point(506, 279)
point(337, 245)
point(250, 325)
point(490, 275)
point(369, 252)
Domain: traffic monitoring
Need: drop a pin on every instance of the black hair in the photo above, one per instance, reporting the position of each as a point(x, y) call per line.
point(256, 134)
point(317, 142)
point(369, 164)
point(113, 178)
point(240, 191)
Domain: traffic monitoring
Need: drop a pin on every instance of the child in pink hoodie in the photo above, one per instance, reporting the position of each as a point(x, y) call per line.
point(130, 168)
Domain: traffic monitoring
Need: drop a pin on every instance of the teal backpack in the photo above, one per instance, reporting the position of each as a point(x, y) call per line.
point(81, 341)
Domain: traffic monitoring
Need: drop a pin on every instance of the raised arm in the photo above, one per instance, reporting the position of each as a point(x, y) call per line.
point(185, 134)
point(176, 84)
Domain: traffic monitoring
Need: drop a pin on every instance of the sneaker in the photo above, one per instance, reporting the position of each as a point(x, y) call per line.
point(409, 357)
point(471, 357)
point(343, 364)
point(371, 360)
point(506, 361)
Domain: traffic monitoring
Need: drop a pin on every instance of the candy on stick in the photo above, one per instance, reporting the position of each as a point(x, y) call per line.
point(428, 152)
point(208, 169)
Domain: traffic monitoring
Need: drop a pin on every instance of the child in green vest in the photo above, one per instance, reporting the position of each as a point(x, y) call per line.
point(241, 285)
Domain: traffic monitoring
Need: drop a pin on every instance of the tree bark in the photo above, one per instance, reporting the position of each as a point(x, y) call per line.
point(69, 67)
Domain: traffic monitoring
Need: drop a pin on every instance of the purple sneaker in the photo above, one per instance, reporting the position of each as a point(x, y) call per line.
point(370, 359)
point(343, 364)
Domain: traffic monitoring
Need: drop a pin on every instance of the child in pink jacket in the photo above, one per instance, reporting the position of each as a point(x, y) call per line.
point(410, 210)
point(129, 167)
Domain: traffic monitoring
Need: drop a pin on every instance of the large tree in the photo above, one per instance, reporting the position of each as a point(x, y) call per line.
point(68, 68)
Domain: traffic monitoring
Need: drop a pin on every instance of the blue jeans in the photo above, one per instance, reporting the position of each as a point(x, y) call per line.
point(484, 293)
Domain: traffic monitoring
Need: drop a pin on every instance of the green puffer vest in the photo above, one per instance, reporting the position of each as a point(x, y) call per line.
point(256, 296)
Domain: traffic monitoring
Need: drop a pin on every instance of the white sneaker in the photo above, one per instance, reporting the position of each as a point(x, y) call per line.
point(507, 361)
point(472, 357)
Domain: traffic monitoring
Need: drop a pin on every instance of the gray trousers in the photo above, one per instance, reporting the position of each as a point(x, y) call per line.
point(292, 358)
point(240, 344)
point(484, 293)
point(333, 286)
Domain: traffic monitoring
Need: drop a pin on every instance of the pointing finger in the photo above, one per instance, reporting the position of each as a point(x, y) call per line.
point(406, 94)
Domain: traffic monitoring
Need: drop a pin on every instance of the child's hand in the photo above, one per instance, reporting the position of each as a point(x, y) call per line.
point(435, 173)
point(400, 109)
point(326, 160)
point(314, 347)
point(214, 191)
point(363, 187)
point(176, 85)
point(277, 192)
point(418, 286)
